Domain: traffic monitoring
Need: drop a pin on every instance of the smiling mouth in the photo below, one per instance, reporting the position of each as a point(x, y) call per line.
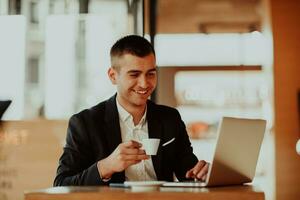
point(141, 91)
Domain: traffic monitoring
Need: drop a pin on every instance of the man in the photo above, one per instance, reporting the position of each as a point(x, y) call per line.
point(102, 144)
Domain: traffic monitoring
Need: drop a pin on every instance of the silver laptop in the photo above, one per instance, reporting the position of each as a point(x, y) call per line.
point(236, 153)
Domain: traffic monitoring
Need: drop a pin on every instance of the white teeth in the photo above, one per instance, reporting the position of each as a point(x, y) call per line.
point(141, 91)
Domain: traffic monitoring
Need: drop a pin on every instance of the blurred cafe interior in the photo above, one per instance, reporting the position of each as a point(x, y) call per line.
point(215, 58)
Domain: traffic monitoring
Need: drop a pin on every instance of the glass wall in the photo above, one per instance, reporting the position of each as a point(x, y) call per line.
point(55, 53)
point(215, 59)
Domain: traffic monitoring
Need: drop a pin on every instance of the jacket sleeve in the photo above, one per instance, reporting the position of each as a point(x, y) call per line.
point(76, 164)
point(185, 156)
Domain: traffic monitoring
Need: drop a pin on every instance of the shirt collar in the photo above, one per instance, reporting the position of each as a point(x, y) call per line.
point(124, 115)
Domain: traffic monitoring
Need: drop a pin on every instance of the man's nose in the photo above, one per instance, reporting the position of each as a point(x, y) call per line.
point(143, 82)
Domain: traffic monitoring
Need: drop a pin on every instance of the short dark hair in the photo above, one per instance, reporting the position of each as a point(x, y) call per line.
point(131, 44)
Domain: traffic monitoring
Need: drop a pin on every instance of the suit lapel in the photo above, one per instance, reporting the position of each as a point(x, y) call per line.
point(113, 133)
point(155, 131)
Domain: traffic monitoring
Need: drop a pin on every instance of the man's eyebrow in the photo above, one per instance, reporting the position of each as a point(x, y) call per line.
point(139, 71)
point(152, 70)
point(134, 71)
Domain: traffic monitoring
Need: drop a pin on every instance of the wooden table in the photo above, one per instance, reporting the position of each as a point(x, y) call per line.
point(164, 193)
point(29, 153)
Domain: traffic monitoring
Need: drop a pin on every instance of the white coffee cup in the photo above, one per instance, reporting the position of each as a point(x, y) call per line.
point(150, 145)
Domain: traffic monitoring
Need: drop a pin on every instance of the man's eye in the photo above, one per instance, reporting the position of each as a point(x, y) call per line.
point(133, 75)
point(151, 74)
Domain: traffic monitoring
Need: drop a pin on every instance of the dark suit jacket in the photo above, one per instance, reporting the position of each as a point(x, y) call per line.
point(93, 134)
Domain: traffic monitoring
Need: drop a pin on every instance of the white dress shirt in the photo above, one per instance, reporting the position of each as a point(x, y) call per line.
point(144, 170)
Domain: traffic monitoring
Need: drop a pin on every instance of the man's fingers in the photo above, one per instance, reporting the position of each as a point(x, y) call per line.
point(198, 167)
point(204, 177)
point(198, 171)
point(132, 151)
point(189, 174)
point(134, 157)
point(203, 171)
point(132, 144)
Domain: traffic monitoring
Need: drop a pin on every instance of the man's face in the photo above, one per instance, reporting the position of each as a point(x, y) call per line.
point(135, 78)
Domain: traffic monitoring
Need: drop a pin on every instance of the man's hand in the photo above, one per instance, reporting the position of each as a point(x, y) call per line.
point(199, 171)
point(126, 154)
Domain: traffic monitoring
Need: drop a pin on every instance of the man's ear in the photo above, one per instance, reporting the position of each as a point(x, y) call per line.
point(112, 73)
